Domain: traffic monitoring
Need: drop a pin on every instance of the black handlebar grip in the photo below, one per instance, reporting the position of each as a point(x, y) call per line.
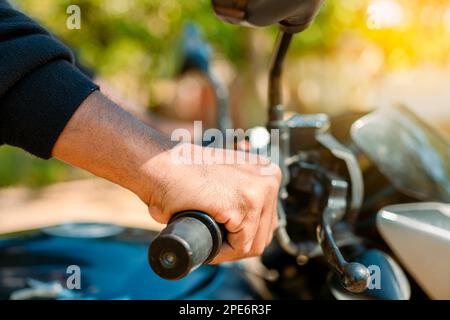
point(191, 238)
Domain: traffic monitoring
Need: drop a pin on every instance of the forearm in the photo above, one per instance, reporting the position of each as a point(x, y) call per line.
point(107, 141)
point(160, 123)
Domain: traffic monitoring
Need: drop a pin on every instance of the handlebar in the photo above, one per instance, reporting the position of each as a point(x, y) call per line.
point(191, 239)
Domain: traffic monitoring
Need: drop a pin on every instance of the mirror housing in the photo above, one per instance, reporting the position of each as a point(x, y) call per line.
point(292, 15)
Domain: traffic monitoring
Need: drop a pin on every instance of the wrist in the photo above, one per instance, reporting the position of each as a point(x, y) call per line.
point(152, 163)
point(164, 169)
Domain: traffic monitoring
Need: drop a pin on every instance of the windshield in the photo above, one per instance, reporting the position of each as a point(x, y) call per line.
point(407, 151)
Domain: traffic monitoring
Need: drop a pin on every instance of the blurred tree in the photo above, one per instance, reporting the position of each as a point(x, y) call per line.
point(133, 43)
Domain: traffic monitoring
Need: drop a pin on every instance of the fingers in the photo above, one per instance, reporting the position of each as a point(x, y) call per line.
point(243, 240)
point(261, 239)
point(248, 242)
point(273, 204)
point(251, 240)
point(253, 235)
point(227, 253)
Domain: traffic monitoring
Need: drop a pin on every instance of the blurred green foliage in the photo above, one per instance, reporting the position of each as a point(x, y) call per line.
point(140, 37)
point(117, 34)
point(131, 43)
point(19, 168)
point(134, 42)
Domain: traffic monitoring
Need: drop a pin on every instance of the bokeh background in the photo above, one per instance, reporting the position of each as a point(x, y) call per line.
point(358, 55)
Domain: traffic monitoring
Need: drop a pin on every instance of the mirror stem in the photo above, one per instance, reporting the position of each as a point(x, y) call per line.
point(275, 77)
point(276, 109)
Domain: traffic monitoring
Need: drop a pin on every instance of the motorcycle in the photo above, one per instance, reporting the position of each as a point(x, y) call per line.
point(363, 210)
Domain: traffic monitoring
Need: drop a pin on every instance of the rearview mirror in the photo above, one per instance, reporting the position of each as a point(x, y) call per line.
point(293, 15)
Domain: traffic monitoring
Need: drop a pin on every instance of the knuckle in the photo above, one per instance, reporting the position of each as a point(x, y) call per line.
point(252, 193)
point(252, 196)
point(234, 222)
point(277, 174)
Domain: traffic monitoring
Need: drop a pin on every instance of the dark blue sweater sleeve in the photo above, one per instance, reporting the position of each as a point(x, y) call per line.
point(40, 87)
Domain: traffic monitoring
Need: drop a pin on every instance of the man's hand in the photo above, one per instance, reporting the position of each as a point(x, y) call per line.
point(236, 195)
point(107, 141)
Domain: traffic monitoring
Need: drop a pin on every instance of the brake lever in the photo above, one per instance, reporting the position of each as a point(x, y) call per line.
point(354, 276)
